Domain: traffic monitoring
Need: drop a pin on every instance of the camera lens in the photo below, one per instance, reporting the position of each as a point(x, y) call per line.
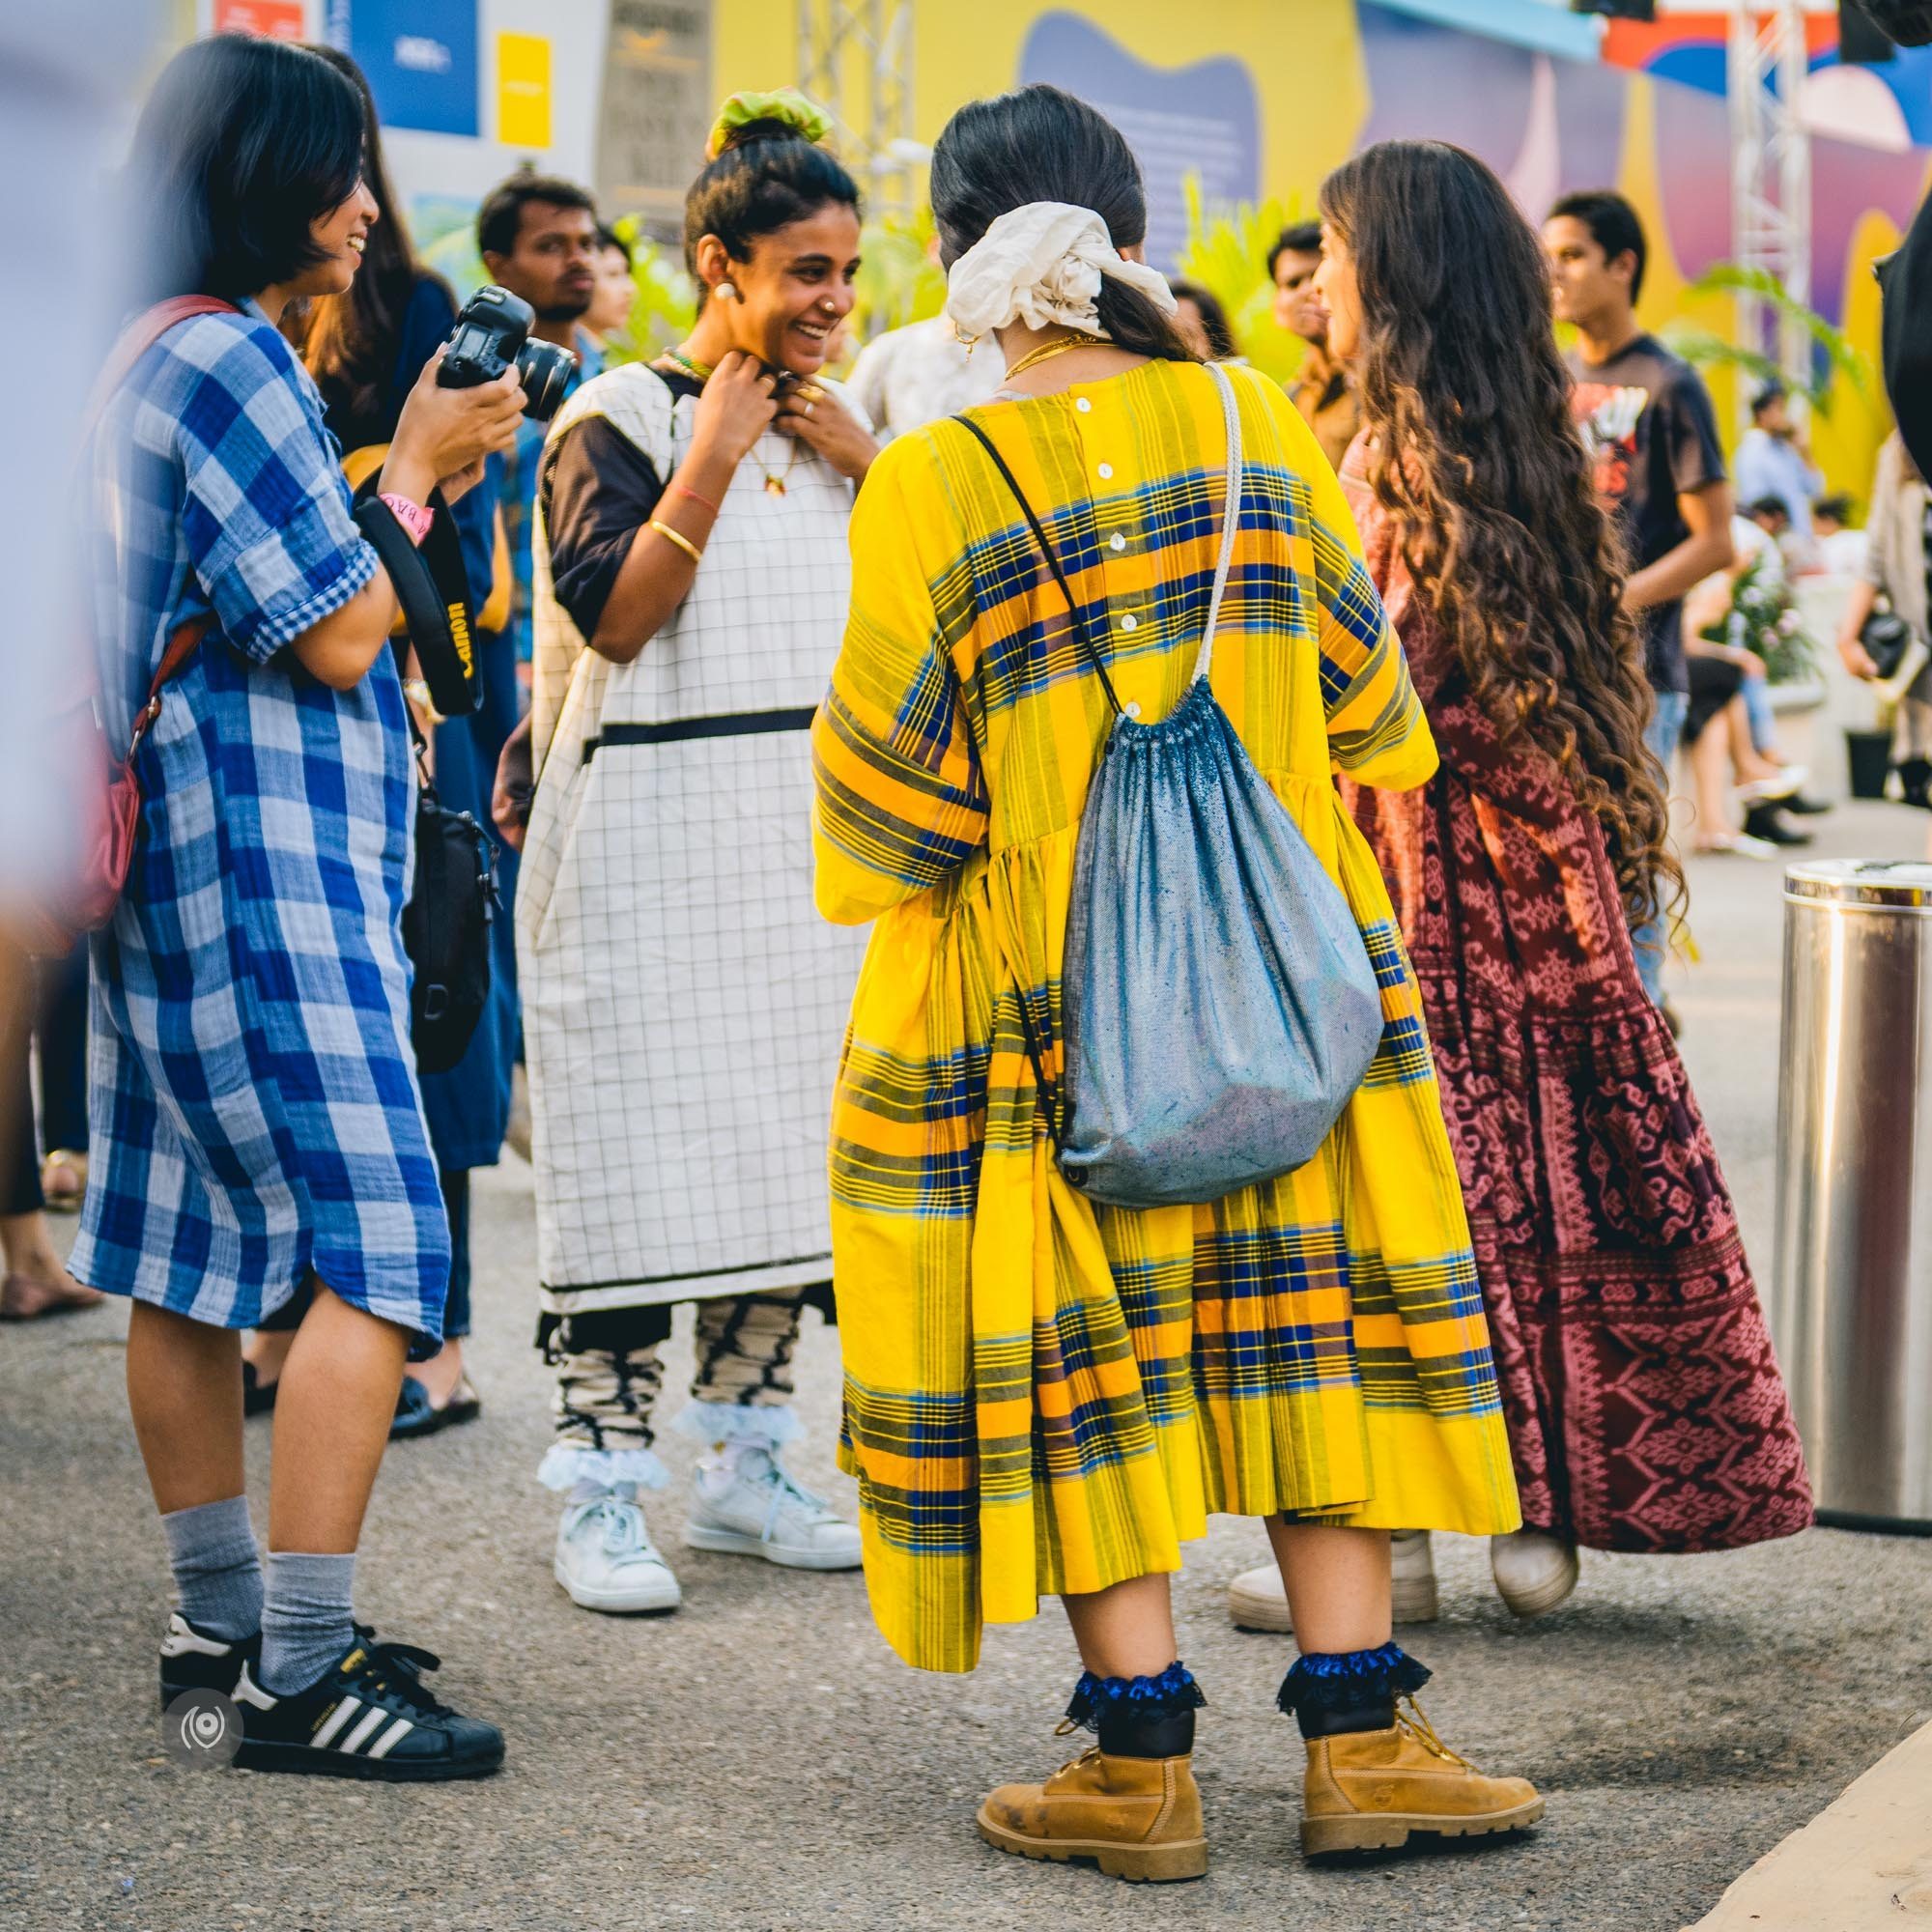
point(546, 370)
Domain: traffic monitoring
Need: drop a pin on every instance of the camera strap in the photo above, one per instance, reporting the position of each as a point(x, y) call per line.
point(434, 593)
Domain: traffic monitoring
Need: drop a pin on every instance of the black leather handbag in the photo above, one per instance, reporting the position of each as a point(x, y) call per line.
point(1887, 638)
point(446, 923)
point(446, 931)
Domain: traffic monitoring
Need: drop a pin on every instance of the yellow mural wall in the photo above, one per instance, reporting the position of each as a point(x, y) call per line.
point(1307, 63)
point(1305, 57)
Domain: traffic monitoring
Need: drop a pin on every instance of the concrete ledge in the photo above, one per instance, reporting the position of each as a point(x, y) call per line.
point(1864, 1861)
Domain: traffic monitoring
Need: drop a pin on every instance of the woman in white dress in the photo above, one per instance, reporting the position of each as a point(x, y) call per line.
point(682, 1003)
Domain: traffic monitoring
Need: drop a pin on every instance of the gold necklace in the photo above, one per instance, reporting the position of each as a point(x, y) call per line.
point(1058, 347)
point(701, 373)
point(775, 483)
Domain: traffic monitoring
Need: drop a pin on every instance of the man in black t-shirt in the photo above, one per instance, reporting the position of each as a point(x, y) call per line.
point(1652, 435)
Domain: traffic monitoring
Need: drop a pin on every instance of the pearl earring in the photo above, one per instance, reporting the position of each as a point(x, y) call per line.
point(725, 292)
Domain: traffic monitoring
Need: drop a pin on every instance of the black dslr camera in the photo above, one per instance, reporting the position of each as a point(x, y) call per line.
point(494, 331)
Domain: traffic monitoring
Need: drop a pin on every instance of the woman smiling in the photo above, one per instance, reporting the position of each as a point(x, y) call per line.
point(257, 1125)
point(682, 1004)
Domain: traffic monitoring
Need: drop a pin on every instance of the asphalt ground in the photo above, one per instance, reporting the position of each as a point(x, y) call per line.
point(760, 1759)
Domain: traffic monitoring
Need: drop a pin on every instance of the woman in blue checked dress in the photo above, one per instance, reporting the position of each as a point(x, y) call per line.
point(256, 1120)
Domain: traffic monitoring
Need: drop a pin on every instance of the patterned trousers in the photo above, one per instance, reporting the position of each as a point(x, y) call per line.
point(610, 1371)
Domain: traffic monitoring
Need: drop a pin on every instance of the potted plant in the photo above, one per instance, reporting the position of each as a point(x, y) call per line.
point(1764, 619)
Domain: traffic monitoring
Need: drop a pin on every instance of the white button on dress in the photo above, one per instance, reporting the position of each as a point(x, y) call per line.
point(1105, 471)
point(1130, 623)
point(1081, 404)
point(1116, 543)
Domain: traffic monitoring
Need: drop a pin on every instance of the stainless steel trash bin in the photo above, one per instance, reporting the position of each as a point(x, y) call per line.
point(1852, 1288)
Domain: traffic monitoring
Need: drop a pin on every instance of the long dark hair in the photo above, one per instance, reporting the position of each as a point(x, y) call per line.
point(350, 341)
point(766, 177)
point(243, 146)
point(1039, 144)
point(1478, 461)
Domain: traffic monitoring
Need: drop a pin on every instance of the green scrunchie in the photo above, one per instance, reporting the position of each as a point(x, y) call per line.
point(779, 104)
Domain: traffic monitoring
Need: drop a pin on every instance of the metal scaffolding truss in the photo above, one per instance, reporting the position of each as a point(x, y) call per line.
point(1770, 173)
point(855, 58)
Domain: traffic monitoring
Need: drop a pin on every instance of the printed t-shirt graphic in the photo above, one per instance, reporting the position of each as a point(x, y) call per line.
point(1652, 434)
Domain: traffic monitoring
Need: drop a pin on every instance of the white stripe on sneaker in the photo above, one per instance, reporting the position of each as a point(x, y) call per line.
point(394, 1735)
point(371, 1722)
point(335, 1720)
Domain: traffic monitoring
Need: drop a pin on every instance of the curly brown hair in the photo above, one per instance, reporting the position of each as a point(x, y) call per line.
point(1478, 460)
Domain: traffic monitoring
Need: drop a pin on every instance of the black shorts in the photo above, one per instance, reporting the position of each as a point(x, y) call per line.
point(1713, 683)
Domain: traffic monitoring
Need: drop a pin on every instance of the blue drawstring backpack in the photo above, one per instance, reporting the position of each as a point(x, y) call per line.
point(1220, 1006)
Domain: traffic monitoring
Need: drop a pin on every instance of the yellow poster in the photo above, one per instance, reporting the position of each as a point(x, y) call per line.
point(523, 90)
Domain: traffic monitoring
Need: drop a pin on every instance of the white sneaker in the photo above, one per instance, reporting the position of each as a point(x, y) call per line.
point(1534, 1571)
point(1258, 1601)
point(748, 1505)
point(606, 1561)
point(1787, 782)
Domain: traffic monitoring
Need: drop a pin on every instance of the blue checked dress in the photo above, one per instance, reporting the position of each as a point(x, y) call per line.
point(255, 1114)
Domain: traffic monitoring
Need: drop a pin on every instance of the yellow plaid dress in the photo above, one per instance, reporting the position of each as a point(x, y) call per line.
point(1043, 1395)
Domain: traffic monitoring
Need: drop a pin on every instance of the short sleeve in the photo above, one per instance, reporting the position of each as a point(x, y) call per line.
point(900, 801)
point(599, 490)
point(266, 514)
point(1691, 425)
point(1376, 729)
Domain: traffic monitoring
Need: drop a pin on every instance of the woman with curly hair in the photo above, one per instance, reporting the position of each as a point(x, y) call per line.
point(1645, 1408)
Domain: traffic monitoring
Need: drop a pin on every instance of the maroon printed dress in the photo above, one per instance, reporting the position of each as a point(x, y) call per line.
point(1644, 1404)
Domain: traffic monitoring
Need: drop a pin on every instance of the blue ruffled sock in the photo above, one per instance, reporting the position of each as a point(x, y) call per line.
point(1332, 1692)
point(1139, 1717)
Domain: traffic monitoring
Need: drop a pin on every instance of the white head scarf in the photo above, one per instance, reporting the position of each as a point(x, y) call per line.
point(1041, 264)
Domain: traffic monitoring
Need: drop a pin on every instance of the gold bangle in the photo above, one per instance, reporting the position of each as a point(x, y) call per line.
point(683, 542)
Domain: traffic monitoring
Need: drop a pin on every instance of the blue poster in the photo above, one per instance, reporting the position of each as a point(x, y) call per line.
point(421, 57)
point(1200, 120)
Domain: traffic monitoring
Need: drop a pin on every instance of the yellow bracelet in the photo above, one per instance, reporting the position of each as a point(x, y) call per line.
point(683, 542)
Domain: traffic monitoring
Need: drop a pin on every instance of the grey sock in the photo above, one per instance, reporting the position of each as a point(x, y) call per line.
point(217, 1568)
point(306, 1621)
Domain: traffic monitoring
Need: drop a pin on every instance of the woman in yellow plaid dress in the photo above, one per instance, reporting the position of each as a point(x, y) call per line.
point(1042, 1395)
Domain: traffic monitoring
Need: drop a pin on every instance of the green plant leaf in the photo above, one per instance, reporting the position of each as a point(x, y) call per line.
point(1227, 251)
point(1702, 348)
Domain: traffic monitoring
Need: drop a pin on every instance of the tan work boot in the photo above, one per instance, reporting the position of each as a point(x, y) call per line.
point(1138, 1817)
point(1368, 1790)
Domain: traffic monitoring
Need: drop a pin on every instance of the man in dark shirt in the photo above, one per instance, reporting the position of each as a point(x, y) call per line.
point(1653, 434)
point(538, 239)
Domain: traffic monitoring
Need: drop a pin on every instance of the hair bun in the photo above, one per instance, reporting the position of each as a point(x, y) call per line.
point(781, 114)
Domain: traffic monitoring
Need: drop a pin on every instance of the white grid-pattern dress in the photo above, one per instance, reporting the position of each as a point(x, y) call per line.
point(683, 1002)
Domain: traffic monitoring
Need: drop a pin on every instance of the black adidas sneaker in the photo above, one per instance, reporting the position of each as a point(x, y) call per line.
point(193, 1661)
point(371, 1717)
